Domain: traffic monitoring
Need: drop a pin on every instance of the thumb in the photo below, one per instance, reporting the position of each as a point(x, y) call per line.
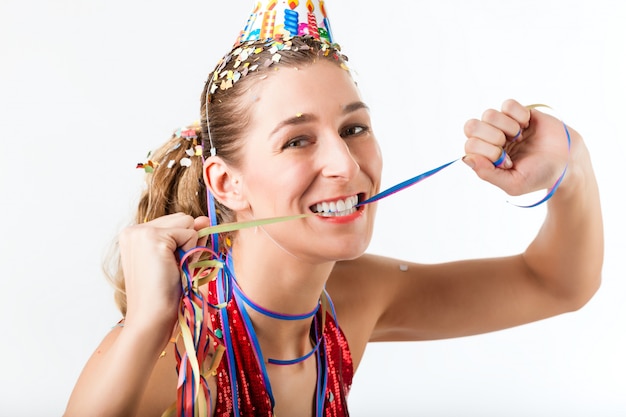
point(484, 168)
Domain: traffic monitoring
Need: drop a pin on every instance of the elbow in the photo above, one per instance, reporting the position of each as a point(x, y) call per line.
point(578, 298)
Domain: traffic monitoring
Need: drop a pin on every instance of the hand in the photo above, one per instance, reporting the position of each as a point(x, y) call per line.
point(535, 144)
point(151, 271)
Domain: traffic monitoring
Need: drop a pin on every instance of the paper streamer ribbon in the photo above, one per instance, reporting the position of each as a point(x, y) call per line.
point(193, 395)
point(230, 227)
point(405, 184)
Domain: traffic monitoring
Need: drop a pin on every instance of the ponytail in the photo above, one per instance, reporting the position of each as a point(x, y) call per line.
point(174, 184)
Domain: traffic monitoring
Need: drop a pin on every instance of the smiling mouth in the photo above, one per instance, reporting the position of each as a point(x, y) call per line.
point(337, 208)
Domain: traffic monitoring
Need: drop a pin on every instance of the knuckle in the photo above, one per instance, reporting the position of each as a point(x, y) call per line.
point(510, 105)
point(471, 126)
point(490, 116)
point(186, 219)
point(472, 145)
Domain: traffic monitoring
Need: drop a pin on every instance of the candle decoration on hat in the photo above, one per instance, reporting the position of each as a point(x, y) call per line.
point(269, 21)
point(313, 31)
point(283, 19)
point(291, 17)
point(329, 33)
point(251, 21)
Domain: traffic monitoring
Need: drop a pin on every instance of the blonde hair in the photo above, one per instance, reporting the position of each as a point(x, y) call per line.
point(171, 187)
point(177, 188)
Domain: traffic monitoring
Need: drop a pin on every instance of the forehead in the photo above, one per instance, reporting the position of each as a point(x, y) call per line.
point(312, 88)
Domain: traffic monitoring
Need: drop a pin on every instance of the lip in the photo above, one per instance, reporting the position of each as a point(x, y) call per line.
point(343, 219)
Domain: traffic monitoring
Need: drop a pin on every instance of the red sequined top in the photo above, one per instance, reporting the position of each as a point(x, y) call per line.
point(253, 398)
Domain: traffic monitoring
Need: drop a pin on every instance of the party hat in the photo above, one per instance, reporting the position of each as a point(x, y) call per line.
point(280, 19)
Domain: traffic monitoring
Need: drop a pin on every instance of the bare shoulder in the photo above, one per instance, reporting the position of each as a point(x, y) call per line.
point(359, 290)
point(160, 382)
point(364, 277)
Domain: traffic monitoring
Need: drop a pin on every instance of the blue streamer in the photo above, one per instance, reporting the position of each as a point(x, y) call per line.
point(270, 313)
point(228, 342)
point(405, 184)
point(412, 181)
point(213, 218)
point(257, 350)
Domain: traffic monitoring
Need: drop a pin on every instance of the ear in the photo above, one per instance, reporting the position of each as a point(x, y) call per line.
point(224, 183)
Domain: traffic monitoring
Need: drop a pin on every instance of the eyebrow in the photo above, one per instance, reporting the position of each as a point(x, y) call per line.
point(352, 107)
point(302, 118)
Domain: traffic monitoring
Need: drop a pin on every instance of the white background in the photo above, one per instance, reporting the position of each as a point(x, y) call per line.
point(88, 87)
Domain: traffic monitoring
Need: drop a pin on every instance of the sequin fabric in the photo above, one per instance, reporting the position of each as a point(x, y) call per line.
point(253, 398)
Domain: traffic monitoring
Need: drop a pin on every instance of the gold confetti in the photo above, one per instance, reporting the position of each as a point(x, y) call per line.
point(246, 57)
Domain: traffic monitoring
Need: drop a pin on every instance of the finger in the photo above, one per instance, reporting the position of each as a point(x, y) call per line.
point(178, 229)
point(494, 153)
point(481, 130)
point(184, 238)
point(485, 170)
point(502, 161)
point(508, 125)
point(173, 220)
point(199, 224)
point(517, 111)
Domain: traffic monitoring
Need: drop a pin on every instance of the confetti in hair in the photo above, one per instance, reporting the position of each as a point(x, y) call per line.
point(188, 137)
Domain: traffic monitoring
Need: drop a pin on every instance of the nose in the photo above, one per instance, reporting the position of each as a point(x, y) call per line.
point(338, 161)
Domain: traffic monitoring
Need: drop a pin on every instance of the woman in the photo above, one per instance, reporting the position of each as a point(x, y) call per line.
point(292, 136)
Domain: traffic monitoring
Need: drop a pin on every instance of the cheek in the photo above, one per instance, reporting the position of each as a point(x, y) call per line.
point(277, 184)
point(370, 160)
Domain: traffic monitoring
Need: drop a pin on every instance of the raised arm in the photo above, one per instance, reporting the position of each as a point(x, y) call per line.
point(567, 254)
point(126, 375)
point(559, 271)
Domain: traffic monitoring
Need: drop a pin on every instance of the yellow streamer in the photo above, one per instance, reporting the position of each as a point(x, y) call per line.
point(231, 227)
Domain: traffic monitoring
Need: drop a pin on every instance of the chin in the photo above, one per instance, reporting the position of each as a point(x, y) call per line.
point(347, 250)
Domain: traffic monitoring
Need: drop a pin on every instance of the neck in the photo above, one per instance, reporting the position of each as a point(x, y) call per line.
point(283, 284)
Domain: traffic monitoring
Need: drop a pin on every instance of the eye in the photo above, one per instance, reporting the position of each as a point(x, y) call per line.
point(355, 130)
point(298, 142)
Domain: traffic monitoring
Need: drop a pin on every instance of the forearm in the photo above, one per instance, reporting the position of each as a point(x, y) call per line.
point(114, 380)
point(568, 252)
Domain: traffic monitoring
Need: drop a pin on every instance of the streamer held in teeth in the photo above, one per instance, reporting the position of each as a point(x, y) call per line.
point(229, 227)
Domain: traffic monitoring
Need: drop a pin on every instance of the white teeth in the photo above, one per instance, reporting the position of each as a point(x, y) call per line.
point(337, 208)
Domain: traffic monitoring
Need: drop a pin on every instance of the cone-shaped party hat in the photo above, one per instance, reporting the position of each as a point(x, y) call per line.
point(274, 26)
point(276, 19)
